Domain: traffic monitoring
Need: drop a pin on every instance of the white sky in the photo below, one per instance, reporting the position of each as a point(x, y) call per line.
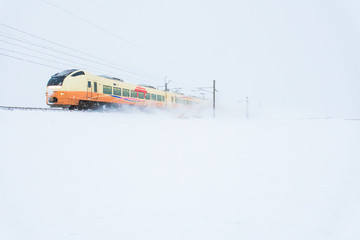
point(296, 57)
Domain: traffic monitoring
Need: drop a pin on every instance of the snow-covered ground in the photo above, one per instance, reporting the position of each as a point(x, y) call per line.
point(89, 175)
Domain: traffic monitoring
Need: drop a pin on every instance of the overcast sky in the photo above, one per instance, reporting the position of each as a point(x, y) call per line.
point(300, 58)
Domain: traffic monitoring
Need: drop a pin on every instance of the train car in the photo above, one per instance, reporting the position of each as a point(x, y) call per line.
point(77, 89)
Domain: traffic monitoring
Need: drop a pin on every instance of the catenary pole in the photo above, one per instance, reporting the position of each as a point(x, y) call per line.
point(214, 98)
point(166, 84)
point(247, 108)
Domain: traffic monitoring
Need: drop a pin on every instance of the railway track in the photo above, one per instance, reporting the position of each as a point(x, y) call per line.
point(57, 109)
point(9, 108)
point(32, 109)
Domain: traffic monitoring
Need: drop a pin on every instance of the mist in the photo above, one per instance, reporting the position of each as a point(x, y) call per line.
point(293, 59)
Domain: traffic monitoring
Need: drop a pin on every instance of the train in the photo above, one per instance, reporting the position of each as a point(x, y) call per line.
point(78, 89)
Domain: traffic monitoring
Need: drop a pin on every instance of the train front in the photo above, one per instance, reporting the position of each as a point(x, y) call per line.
point(56, 90)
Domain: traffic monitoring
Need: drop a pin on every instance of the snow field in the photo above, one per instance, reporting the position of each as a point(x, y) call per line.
point(88, 175)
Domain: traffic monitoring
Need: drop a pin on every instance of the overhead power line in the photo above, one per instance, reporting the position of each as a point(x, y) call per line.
point(96, 62)
point(62, 52)
point(125, 76)
point(22, 59)
point(110, 65)
point(52, 55)
point(29, 55)
point(128, 79)
point(126, 41)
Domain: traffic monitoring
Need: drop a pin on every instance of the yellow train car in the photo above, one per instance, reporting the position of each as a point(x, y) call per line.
point(77, 89)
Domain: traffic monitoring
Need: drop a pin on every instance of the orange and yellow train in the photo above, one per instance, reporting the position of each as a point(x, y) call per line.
point(77, 89)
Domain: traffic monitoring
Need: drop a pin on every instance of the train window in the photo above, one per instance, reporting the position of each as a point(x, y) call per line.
point(153, 97)
point(158, 98)
point(163, 98)
point(147, 96)
point(126, 92)
point(95, 86)
point(133, 94)
point(78, 74)
point(58, 78)
point(117, 91)
point(56, 81)
point(141, 95)
point(89, 84)
point(107, 89)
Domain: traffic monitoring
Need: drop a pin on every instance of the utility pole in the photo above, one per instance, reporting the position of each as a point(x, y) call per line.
point(214, 98)
point(166, 84)
point(247, 107)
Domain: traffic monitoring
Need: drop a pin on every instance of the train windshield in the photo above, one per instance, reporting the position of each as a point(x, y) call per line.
point(58, 78)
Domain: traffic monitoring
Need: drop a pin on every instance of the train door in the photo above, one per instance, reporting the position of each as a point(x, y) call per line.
point(89, 90)
point(95, 94)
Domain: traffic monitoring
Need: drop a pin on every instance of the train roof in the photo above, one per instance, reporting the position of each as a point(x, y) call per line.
point(112, 78)
point(64, 73)
point(148, 86)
